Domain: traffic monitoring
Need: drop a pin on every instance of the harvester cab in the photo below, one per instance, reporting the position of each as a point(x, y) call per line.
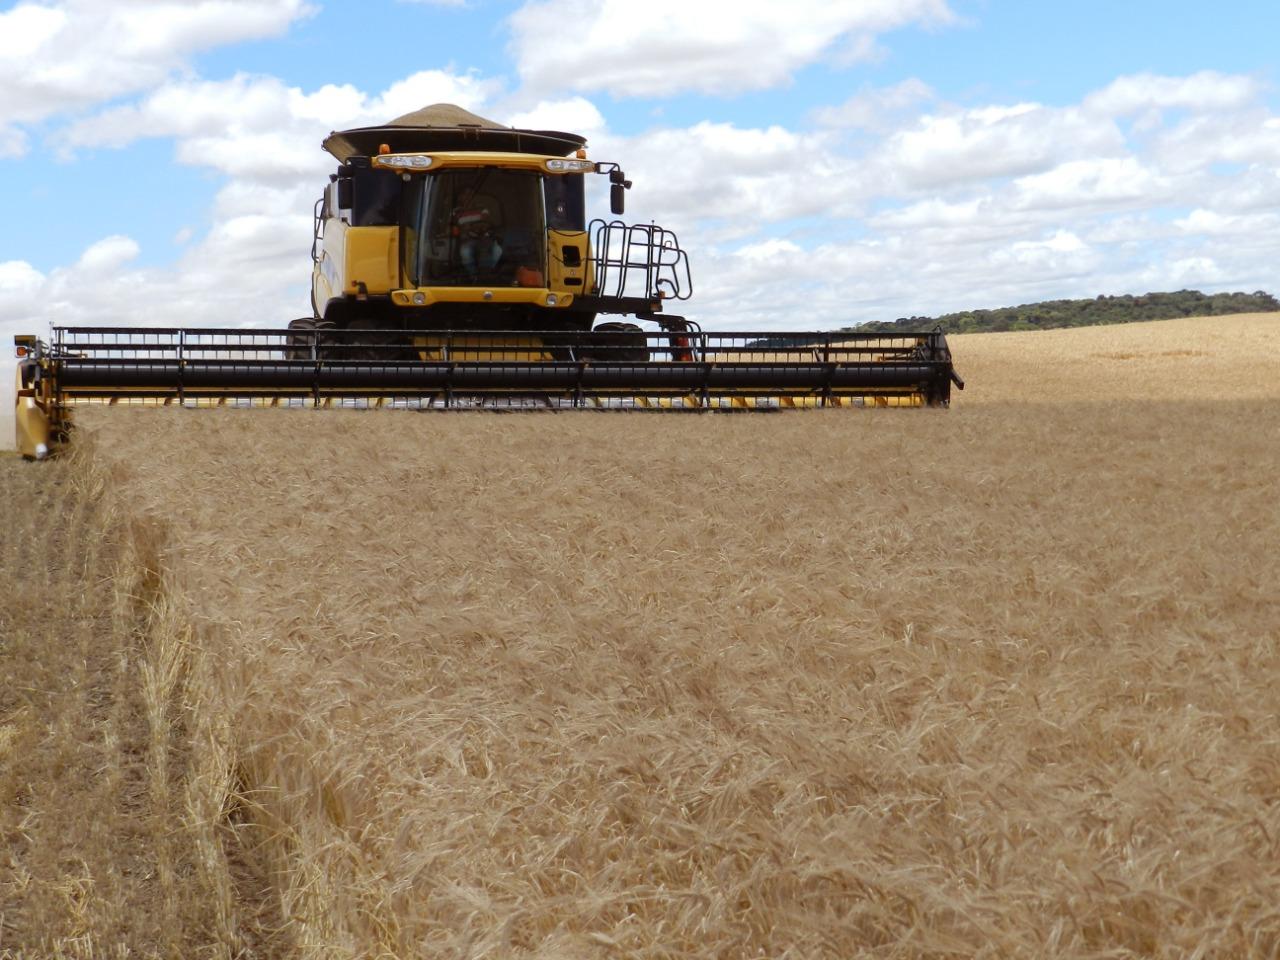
point(443, 219)
point(455, 267)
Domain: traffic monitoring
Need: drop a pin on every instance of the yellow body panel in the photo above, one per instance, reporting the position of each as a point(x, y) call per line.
point(430, 295)
point(355, 261)
point(464, 349)
point(564, 278)
point(372, 259)
point(34, 432)
point(445, 159)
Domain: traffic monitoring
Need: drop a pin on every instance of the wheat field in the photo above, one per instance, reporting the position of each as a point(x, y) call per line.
point(996, 681)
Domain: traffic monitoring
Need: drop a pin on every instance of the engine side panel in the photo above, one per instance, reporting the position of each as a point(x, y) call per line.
point(355, 261)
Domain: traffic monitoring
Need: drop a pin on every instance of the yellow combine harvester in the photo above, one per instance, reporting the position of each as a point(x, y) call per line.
point(455, 268)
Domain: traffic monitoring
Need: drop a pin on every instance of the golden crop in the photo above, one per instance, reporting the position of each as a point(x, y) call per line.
point(994, 681)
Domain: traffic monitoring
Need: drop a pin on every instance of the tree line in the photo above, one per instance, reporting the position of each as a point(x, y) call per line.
point(1052, 314)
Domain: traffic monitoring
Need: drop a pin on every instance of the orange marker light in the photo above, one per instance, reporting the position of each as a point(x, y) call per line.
point(581, 154)
point(384, 149)
point(22, 352)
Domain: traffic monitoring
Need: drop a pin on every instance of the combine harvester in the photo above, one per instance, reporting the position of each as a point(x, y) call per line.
point(454, 268)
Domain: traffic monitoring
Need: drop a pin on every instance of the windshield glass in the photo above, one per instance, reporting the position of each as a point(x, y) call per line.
point(477, 227)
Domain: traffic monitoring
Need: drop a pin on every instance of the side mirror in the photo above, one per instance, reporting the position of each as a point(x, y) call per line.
point(346, 193)
point(618, 199)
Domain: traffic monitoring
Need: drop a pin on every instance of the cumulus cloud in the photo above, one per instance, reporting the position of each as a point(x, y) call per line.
point(876, 109)
point(77, 53)
point(1212, 223)
point(1203, 92)
point(740, 177)
point(980, 206)
point(575, 114)
point(256, 104)
point(257, 127)
point(1246, 137)
point(1088, 184)
point(712, 46)
point(19, 282)
point(996, 141)
point(250, 270)
point(106, 257)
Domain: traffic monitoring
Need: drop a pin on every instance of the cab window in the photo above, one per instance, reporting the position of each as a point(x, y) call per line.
point(566, 204)
point(479, 227)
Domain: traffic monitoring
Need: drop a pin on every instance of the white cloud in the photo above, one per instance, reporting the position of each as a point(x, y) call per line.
point(26, 28)
point(251, 270)
point(574, 115)
point(998, 141)
point(1244, 137)
point(77, 53)
point(1238, 227)
point(741, 177)
point(1204, 91)
point(665, 47)
point(1096, 209)
point(106, 257)
point(873, 109)
point(430, 86)
point(1202, 271)
point(1088, 184)
point(769, 251)
point(1063, 252)
point(256, 127)
point(19, 282)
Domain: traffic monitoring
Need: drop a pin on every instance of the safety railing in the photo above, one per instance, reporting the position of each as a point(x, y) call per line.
point(638, 260)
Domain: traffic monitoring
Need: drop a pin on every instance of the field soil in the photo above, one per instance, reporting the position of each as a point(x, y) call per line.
point(1000, 680)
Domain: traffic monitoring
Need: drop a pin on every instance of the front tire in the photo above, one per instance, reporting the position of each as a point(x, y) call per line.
point(298, 346)
point(361, 345)
point(617, 341)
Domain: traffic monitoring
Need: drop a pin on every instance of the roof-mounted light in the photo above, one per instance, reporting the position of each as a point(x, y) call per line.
point(404, 161)
point(570, 166)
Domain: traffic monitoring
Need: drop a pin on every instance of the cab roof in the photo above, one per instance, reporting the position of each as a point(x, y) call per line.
point(446, 126)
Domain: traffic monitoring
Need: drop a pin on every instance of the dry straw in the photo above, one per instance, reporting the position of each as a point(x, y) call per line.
point(993, 681)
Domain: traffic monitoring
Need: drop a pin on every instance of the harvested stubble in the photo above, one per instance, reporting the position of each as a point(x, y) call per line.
point(96, 858)
point(995, 681)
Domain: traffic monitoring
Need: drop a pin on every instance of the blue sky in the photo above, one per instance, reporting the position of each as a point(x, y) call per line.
point(826, 162)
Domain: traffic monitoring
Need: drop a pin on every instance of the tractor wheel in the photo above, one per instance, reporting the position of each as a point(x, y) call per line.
point(298, 347)
point(359, 345)
point(617, 341)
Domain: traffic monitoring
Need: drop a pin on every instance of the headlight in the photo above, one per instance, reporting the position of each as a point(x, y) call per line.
point(570, 166)
point(404, 161)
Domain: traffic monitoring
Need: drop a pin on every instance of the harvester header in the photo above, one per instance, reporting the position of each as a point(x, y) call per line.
point(455, 267)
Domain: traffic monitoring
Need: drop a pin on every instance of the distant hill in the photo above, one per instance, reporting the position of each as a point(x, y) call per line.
point(1052, 314)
